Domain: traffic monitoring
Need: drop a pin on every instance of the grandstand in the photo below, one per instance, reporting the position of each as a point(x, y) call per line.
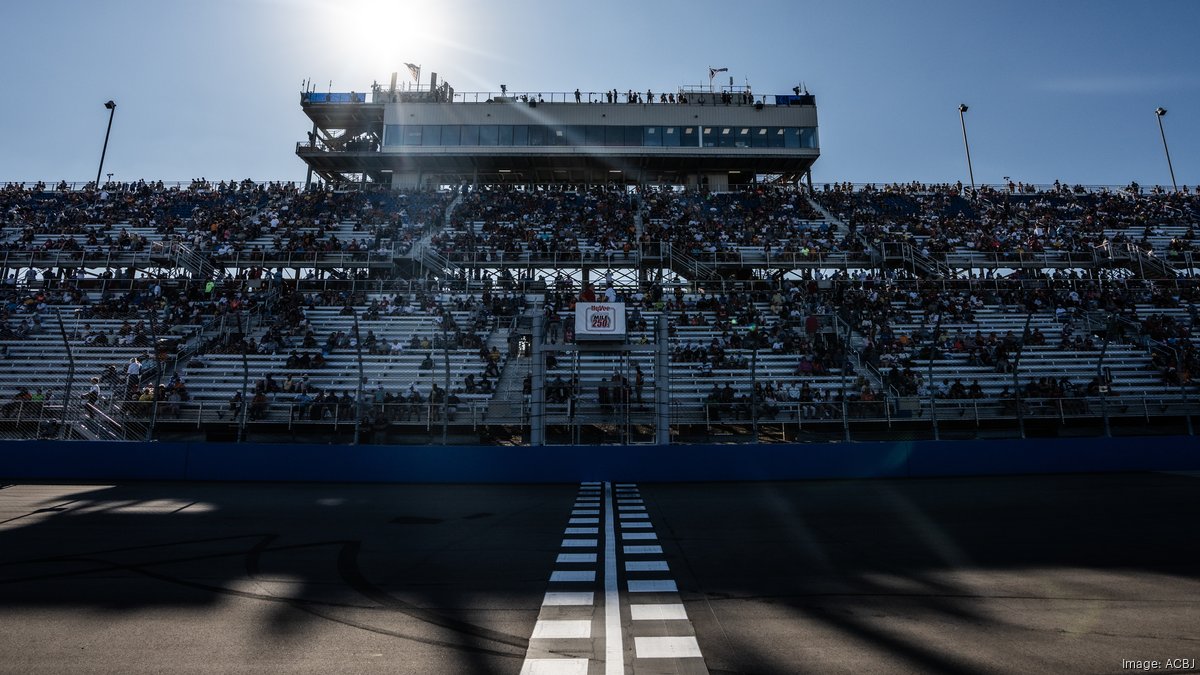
point(430, 282)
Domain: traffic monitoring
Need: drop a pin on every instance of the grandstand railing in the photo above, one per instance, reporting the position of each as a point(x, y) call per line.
point(537, 258)
point(111, 259)
point(114, 422)
point(699, 264)
point(303, 260)
point(696, 96)
point(1026, 189)
point(62, 258)
point(962, 260)
point(912, 409)
point(51, 187)
point(427, 414)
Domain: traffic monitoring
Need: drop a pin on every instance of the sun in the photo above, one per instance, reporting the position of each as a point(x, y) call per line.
point(385, 34)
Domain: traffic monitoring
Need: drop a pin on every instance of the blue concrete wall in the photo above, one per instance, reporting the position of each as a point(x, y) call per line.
point(50, 460)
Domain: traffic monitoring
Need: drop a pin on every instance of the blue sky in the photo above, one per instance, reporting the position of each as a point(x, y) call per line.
point(210, 88)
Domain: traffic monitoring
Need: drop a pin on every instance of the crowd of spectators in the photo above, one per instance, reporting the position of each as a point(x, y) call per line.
point(951, 219)
point(541, 222)
point(776, 220)
point(896, 321)
point(221, 219)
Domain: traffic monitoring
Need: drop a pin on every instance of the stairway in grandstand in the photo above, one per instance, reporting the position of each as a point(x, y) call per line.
point(421, 250)
point(507, 405)
point(842, 228)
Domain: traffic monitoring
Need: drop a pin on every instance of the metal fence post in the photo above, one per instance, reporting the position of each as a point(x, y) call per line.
point(63, 422)
point(1016, 380)
point(158, 368)
point(245, 409)
point(358, 396)
point(937, 432)
point(537, 399)
point(1100, 375)
point(845, 418)
point(662, 383)
point(754, 388)
point(446, 393)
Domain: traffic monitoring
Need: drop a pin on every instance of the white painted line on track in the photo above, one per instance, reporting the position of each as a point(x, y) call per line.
point(653, 586)
point(562, 628)
point(643, 550)
point(644, 536)
point(658, 612)
point(646, 566)
point(581, 530)
point(573, 575)
point(666, 647)
point(614, 648)
point(561, 599)
point(579, 543)
point(576, 558)
point(583, 521)
point(555, 667)
point(635, 525)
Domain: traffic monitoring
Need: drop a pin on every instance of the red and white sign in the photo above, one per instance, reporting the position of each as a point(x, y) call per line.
point(600, 321)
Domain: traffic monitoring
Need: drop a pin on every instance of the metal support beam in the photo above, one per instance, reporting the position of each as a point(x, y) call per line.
point(537, 399)
point(662, 383)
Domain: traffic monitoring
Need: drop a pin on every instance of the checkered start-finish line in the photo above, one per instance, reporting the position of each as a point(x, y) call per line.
point(612, 606)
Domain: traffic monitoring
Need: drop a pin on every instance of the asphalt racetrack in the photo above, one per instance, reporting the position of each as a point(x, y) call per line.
point(1040, 574)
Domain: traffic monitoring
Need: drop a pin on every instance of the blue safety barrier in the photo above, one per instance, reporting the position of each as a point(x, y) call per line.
point(78, 460)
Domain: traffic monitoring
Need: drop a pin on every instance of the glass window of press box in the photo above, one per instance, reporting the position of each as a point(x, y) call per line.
point(508, 135)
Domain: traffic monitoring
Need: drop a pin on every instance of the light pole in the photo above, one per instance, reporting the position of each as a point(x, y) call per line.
point(112, 109)
point(962, 109)
point(1159, 112)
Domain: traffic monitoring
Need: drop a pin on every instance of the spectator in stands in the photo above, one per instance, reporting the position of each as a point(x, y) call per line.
point(133, 372)
point(235, 405)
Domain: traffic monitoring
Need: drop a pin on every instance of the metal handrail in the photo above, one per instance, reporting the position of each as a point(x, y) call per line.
point(422, 93)
point(1041, 189)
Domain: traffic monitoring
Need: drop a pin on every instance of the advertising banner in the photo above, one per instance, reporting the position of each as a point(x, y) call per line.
point(600, 321)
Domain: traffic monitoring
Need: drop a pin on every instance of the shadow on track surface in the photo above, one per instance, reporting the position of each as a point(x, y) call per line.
point(274, 578)
point(1018, 574)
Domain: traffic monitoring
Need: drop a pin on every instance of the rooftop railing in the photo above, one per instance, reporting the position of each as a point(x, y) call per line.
point(685, 96)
